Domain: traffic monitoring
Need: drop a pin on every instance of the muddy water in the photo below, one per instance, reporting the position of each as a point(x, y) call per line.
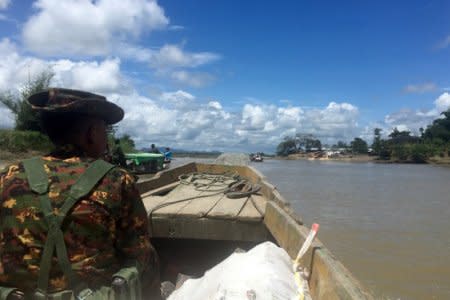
point(389, 224)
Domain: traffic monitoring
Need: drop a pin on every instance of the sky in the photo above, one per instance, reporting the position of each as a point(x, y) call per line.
point(238, 75)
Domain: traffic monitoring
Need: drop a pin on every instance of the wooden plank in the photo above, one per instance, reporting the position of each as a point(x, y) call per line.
point(254, 209)
point(209, 229)
point(198, 208)
point(201, 206)
point(150, 202)
point(161, 190)
point(183, 191)
point(227, 208)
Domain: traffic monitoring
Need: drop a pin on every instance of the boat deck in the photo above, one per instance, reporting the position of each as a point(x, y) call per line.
point(180, 210)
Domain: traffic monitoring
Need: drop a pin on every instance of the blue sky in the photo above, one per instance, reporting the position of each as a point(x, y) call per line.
point(239, 75)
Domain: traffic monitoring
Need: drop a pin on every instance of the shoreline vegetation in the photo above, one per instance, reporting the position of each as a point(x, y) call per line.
point(363, 158)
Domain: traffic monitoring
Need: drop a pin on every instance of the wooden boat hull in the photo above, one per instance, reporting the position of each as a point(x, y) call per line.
point(192, 244)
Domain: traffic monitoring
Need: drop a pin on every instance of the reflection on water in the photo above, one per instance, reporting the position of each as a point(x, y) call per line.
point(389, 224)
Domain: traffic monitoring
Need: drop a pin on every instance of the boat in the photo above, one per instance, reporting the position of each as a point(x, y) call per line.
point(196, 226)
point(142, 162)
point(256, 157)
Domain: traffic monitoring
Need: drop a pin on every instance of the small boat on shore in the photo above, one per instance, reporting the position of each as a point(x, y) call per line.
point(196, 221)
point(140, 163)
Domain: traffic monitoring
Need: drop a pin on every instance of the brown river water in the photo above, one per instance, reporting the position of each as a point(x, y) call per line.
point(388, 223)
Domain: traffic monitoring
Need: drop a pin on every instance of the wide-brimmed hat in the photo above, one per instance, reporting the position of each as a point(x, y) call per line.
point(59, 100)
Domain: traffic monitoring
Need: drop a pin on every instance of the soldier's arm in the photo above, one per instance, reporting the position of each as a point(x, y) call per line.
point(133, 239)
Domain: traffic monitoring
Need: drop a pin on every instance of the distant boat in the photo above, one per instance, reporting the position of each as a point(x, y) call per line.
point(144, 162)
point(197, 219)
point(256, 157)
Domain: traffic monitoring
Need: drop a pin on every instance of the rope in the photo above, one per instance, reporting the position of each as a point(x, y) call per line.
point(238, 188)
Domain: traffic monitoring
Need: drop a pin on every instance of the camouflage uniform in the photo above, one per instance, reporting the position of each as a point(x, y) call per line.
point(105, 231)
point(102, 231)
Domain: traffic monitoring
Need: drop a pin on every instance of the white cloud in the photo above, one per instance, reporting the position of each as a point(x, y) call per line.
point(412, 120)
point(101, 77)
point(193, 79)
point(215, 105)
point(179, 99)
point(442, 103)
point(420, 88)
point(444, 43)
point(4, 4)
point(173, 56)
point(266, 125)
point(7, 119)
point(15, 70)
point(89, 27)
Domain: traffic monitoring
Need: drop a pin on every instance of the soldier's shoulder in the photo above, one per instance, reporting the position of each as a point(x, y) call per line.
point(123, 175)
point(12, 169)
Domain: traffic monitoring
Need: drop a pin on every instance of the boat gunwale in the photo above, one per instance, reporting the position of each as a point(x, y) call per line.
point(329, 278)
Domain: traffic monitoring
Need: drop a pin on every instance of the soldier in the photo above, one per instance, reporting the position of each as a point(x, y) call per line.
point(71, 224)
point(118, 157)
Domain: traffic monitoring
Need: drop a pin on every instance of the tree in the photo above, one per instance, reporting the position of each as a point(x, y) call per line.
point(440, 129)
point(340, 145)
point(25, 117)
point(287, 146)
point(127, 144)
point(359, 145)
point(376, 145)
point(307, 141)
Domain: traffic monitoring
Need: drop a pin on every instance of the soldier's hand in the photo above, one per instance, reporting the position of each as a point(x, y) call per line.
point(119, 285)
point(16, 295)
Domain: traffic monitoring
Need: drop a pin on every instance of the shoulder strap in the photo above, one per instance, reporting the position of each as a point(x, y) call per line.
point(55, 238)
point(36, 175)
point(85, 183)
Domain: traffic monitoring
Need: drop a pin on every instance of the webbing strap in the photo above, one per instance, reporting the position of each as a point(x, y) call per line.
point(85, 183)
point(36, 175)
point(55, 237)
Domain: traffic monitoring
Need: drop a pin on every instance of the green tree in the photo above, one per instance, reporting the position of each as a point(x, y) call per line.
point(376, 145)
point(287, 146)
point(359, 145)
point(25, 117)
point(440, 129)
point(127, 144)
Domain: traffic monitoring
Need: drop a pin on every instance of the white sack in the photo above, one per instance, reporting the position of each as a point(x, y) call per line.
point(264, 272)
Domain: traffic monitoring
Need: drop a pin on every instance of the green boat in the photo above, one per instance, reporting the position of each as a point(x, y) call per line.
point(145, 162)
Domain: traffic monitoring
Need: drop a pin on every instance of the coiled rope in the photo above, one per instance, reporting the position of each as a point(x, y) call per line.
point(232, 186)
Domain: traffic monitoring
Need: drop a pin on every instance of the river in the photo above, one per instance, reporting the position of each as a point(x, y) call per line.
point(388, 223)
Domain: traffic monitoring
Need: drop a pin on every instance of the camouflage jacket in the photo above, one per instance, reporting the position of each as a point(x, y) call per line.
point(102, 232)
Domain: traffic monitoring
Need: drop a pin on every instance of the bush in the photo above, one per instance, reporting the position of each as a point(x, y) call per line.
point(23, 141)
point(419, 153)
point(400, 152)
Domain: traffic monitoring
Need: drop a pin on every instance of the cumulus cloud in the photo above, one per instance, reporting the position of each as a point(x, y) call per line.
point(442, 103)
point(266, 125)
point(89, 27)
point(179, 99)
point(420, 88)
point(412, 120)
point(4, 4)
point(173, 56)
point(100, 77)
point(96, 76)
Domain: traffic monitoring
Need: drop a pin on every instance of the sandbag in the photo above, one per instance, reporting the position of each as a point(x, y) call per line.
point(263, 273)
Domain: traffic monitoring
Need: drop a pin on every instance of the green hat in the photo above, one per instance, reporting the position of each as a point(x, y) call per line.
point(59, 100)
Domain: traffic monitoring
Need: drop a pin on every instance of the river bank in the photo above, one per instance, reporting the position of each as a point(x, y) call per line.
point(363, 158)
